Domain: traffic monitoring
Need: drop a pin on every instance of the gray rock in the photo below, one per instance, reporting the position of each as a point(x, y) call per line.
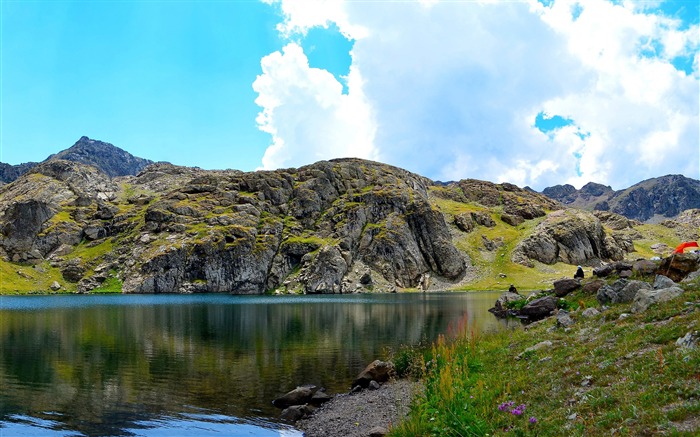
point(464, 222)
point(570, 236)
point(320, 397)
point(689, 340)
point(295, 412)
point(564, 319)
point(374, 385)
point(604, 270)
point(483, 219)
point(540, 308)
point(645, 298)
point(379, 371)
point(645, 267)
point(511, 219)
point(55, 286)
point(621, 291)
point(299, 396)
point(562, 287)
point(500, 308)
point(590, 313)
point(662, 281)
point(539, 346)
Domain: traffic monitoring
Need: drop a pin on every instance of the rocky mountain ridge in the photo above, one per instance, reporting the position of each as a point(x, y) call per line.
point(652, 200)
point(110, 159)
point(338, 226)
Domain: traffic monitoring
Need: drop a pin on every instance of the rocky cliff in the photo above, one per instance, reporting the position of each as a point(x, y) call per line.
point(335, 226)
point(329, 227)
point(652, 200)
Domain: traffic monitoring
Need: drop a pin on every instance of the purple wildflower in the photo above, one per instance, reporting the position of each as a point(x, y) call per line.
point(504, 406)
point(517, 411)
point(533, 419)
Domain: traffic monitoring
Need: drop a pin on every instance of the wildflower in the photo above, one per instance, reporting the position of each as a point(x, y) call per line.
point(504, 406)
point(517, 411)
point(533, 419)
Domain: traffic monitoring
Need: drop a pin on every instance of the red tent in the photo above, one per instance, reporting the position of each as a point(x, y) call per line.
point(681, 247)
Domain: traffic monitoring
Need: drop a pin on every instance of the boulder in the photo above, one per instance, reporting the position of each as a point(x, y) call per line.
point(645, 267)
point(603, 271)
point(539, 346)
point(55, 286)
point(377, 370)
point(500, 308)
point(645, 298)
point(564, 319)
point(562, 287)
point(320, 397)
point(299, 396)
point(590, 312)
point(678, 266)
point(73, 271)
point(661, 281)
point(513, 220)
point(689, 340)
point(621, 291)
point(94, 233)
point(570, 236)
point(464, 222)
point(295, 412)
point(592, 287)
point(483, 219)
point(540, 308)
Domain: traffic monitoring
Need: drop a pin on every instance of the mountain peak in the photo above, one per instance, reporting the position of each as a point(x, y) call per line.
point(107, 157)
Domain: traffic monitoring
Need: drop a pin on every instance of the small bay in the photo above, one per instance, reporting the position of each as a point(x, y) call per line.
point(152, 365)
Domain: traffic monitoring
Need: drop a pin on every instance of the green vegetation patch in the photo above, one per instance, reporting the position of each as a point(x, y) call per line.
point(602, 376)
point(24, 279)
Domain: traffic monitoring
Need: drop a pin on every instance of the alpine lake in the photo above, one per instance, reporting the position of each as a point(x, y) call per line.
point(202, 364)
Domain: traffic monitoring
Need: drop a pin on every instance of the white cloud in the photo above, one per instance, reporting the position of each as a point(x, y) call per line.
point(307, 114)
point(451, 90)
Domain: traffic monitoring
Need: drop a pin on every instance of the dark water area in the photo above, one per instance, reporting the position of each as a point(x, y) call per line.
point(137, 365)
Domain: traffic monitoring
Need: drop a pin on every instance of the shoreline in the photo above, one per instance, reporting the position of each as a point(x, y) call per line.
point(368, 412)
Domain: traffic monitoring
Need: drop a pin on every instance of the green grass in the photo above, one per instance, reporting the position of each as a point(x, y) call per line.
point(24, 279)
point(603, 376)
point(111, 285)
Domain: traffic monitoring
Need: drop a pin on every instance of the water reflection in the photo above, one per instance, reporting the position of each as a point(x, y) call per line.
point(123, 365)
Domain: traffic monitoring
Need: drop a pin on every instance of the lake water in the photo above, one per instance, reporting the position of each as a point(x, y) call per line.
point(167, 365)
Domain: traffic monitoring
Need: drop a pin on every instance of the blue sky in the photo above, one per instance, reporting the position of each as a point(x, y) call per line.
point(534, 92)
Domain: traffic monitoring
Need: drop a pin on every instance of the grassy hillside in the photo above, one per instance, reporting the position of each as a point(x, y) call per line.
point(613, 374)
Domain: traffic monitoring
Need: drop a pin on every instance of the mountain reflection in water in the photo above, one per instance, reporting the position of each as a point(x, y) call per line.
point(198, 364)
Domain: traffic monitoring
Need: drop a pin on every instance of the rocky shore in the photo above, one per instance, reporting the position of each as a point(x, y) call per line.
point(364, 413)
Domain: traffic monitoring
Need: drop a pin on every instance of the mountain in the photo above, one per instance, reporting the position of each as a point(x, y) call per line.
point(9, 173)
point(652, 200)
point(112, 160)
point(338, 226)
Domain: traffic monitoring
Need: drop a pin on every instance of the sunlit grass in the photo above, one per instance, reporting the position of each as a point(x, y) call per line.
point(603, 376)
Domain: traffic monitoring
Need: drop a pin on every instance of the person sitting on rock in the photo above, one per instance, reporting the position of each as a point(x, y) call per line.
point(579, 273)
point(512, 289)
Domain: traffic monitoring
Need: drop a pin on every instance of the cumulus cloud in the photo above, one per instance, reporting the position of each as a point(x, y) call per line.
point(452, 89)
point(307, 114)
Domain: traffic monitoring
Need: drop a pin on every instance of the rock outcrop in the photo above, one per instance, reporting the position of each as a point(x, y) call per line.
point(570, 236)
point(176, 229)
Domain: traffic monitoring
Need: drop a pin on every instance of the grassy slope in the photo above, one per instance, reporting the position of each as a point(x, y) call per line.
point(605, 375)
point(492, 265)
